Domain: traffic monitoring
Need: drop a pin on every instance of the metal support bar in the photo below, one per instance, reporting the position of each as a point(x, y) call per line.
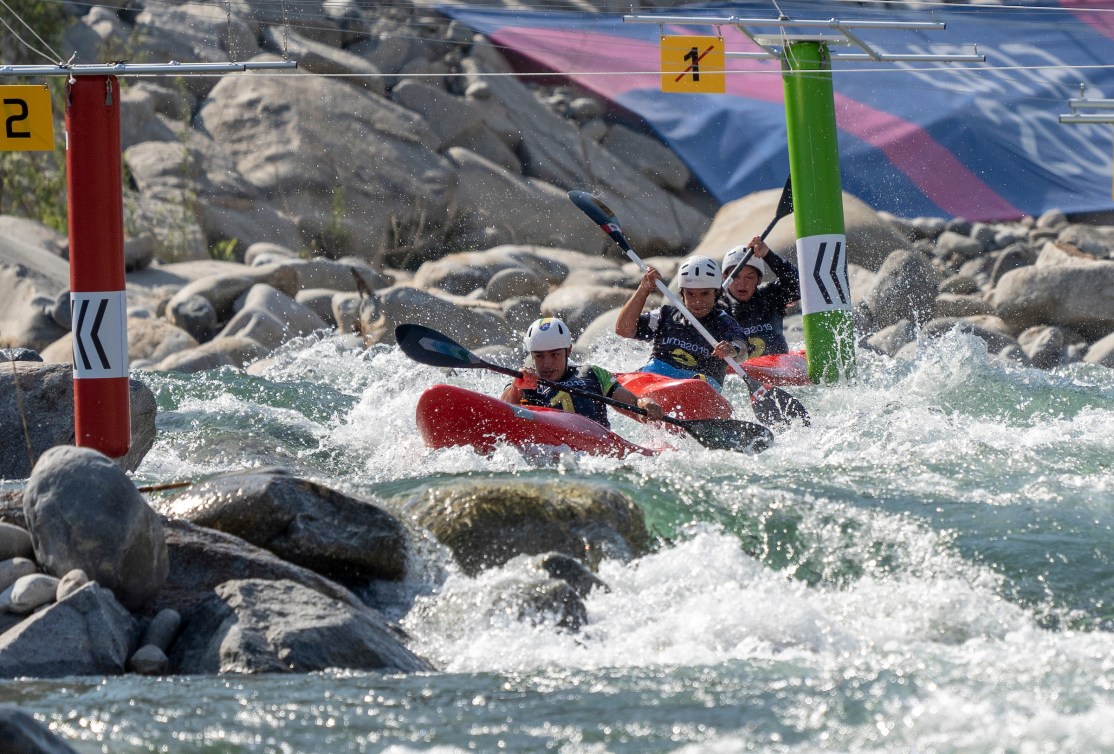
point(1088, 118)
point(793, 30)
point(134, 69)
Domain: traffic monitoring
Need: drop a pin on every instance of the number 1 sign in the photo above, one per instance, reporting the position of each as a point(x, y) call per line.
point(692, 65)
point(27, 124)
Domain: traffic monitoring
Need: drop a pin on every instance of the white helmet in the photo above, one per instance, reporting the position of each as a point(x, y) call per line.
point(731, 258)
point(547, 334)
point(700, 272)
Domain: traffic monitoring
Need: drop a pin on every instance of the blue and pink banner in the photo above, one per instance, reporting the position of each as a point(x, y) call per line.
point(975, 140)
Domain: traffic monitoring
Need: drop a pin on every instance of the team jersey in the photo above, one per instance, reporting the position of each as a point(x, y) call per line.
point(679, 344)
point(761, 318)
point(590, 379)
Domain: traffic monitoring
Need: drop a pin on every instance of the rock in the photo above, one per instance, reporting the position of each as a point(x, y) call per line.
point(162, 630)
point(1046, 347)
point(155, 339)
point(890, 339)
point(552, 149)
point(271, 318)
point(579, 305)
point(395, 183)
point(1012, 257)
point(870, 239)
point(84, 512)
point(30, 592)
point(648, 156)
point(15, 542)
point(257, 626)
point(960, 285)
point(470, 328)
point(19, 354)
point(302, 522)
point(202, 558)
point(30, 278)
point(70, 583)
point(23, 734)
point(45, 391)
point(325, 59)
point(148, 660)
point(12, 569)
point(514, 284)
point(995, 341)
point(954, 305)
point(451, 118)
point(1035, 295)
point(498, 207)
point(88, 633)
point(486, 523)
point(905, 289)
point(1101, 352)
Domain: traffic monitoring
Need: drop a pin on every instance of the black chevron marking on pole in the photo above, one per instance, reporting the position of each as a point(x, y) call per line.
point(105, 364)
point(81, 326)
point(835, 275)
point(816, 273)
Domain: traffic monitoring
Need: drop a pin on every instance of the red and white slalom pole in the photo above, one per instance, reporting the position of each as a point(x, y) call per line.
point(102, 408)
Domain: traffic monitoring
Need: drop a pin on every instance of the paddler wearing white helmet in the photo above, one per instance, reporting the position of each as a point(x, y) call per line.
point(548, 341)
point(755, 302)
point(679, 350)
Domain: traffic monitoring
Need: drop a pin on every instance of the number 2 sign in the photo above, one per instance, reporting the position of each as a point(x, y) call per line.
point(692, 64)
point(26, 123)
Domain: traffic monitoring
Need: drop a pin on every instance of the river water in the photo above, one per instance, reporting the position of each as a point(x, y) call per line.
point(929, 567)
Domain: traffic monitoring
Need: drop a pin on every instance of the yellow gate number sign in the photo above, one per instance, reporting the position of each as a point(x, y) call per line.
point(692, 65)
point(26, 122)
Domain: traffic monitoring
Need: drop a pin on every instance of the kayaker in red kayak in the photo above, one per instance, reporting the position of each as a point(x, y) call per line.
point(549, 343)
point(759, 307)
point(679, 349)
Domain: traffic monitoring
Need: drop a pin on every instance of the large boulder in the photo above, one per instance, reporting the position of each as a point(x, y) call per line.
point(905, 288)
point(870, 237)
point(37, 408)
point(486, 523)
point(262, 626)
point(498, 207)
point(300, 521)
point(472, 328)
point(553, 149)
point(357, 171)
point(30, 279)
point(84, 512)
point(1065, 288)
point(87, 633)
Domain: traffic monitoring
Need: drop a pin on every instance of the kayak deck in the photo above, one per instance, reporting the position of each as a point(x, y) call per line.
point(682, 398)
point(779, 368)
point(450, 416)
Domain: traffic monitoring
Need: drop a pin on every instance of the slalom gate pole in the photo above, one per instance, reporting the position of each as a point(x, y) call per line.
point(102, 407)
point(818, 211)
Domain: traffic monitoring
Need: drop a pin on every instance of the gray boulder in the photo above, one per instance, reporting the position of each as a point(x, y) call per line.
point(486, 523)
point(36, 400)
point(88, 633)
point(300, 521)
point(30, 278)
point(84, 512)
point(258, 626)
point(1064, 288)
point(393, 183)
point(904, 289)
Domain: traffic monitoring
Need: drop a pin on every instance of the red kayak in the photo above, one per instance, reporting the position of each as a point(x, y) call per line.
point(779, 368)
point(449, 416)
point(685, 399)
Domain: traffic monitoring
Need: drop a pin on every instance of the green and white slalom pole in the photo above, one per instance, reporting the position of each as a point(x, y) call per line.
point(818, 210)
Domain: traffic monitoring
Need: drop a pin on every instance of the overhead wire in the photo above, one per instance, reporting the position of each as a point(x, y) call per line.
point(24, 42)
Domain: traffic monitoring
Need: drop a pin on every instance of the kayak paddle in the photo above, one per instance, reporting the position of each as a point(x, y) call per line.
point(784, 207)
point(772, 405)
point(427, 346)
